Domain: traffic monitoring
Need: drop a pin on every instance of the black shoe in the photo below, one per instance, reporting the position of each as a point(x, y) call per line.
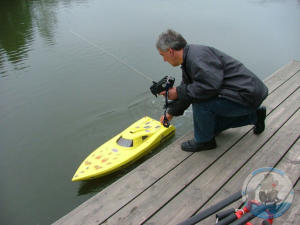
point(192, 146)
point(260, 123)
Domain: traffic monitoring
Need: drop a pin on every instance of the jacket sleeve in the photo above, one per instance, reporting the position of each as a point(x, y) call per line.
point(207, 75)
point(177, 107)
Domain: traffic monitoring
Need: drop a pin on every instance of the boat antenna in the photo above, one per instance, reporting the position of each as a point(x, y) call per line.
point(112, 55)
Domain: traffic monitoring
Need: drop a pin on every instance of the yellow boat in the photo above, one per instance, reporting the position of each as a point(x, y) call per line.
point(131, 144)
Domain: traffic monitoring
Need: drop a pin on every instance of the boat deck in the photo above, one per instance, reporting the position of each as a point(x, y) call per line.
point(174, 185)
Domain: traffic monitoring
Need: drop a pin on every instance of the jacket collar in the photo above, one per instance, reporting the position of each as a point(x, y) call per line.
point(185, 52)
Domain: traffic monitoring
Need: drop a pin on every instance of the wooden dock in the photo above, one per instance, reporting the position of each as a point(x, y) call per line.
point(174, 185)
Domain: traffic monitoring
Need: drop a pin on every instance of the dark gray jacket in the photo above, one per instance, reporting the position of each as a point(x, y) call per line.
point(209, 73)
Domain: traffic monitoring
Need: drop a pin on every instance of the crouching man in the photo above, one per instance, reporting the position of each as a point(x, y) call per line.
point(223, 92)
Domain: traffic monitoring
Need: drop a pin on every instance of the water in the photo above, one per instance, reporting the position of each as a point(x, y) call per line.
point(61, 97)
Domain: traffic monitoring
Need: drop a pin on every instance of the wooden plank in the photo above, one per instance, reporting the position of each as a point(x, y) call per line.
point(268, 156)
point(204, 161)
point(98, 208)
point(136, 182)
point(144, 206)
point(183, 205)
point(282, 92)
point(147, 203)
point(281, 75)
point(292, 216)
point(291, 165)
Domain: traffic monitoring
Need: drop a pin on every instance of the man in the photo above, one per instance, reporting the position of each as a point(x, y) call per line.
point(223, 92)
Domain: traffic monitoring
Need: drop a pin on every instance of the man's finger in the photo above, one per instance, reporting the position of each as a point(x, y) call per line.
point(163, 93)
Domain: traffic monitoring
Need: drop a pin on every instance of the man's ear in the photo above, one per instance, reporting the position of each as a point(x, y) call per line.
point(171, 51)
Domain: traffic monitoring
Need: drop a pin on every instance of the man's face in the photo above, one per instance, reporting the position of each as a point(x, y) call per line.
point(170, 57)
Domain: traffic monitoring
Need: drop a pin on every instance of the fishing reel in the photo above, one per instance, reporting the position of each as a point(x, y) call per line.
point(163, 85)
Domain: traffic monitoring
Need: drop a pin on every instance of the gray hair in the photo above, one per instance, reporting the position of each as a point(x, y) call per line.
point(170, 39)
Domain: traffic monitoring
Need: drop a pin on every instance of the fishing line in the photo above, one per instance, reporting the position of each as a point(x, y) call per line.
point(112, 55)
point(117, 59)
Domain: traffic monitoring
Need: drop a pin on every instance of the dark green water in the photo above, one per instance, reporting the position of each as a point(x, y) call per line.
point(61, 97)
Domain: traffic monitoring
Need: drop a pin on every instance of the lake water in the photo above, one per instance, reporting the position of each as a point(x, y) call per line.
point(61, 95)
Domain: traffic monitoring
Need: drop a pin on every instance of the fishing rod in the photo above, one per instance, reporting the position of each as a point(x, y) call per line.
point(156, 88)
point(268, 207)
point(213, 209)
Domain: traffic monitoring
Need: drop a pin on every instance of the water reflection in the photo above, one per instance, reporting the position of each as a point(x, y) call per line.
point(19, 22)
point(16, 32)
point(44, 18)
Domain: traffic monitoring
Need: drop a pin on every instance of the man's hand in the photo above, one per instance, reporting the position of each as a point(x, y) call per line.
point(169, 117)
point(172, 93)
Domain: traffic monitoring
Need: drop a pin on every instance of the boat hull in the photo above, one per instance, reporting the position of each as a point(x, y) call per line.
point(130, 145)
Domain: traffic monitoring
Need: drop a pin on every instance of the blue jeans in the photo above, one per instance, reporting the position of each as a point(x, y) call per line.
point(218, 114)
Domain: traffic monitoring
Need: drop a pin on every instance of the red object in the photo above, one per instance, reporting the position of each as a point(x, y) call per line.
point(247, 209)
